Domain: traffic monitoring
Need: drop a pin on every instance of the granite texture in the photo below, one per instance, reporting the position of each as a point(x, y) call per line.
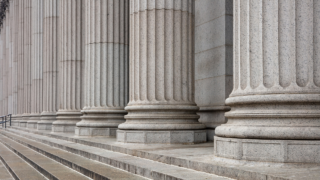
point(36, 64)
point(276, 94)
point(107, 66)
point(213, 61)
point(162, 70)
point(71, 74)
point(51, 54)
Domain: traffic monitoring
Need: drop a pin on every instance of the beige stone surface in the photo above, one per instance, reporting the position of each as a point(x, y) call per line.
point(27, 48)
point(197, 157)
point(71, 74)
point(161, 70)
point(213, 60)
point(50, 100)
point(36, 64)
point(276, 92)
point(107, 65)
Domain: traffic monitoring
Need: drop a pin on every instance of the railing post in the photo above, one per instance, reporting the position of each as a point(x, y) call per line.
point(5, 122)
point(10, 119)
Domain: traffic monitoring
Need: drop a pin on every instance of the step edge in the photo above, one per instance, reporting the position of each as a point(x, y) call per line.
point(114, 162)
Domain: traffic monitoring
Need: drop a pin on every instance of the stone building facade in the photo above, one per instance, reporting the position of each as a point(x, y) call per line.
point(168, 71)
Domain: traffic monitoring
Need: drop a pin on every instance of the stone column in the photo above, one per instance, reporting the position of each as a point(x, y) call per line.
point(107, 61)
point(4, 67)
point(71, 65)
point(50, 64)
point(36, 62)
point(15, 21)
point(1, 75)
point(275, 102)
point(213, 61)
point(161, 107)
point(9, 56)
point(20, 60)
point(27, 63)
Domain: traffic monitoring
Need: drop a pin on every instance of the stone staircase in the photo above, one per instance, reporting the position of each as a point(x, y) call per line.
point(29, 156)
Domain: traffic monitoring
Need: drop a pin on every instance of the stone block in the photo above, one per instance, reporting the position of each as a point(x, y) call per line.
point(214, 34)
point(162, 137)
point(90, 131)
point(207, 10)
point(42, 126)
point(280, 151)
point(63, 128)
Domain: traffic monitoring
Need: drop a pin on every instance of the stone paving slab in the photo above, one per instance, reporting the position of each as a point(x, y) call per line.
point(198, 157)
point(4, 173)
point(92, 169)
point(18, 167)
point(143, 167)
point(46, 166)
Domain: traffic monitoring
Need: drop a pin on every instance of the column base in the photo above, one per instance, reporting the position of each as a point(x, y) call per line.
point(94, 131)
point(32, 124)
point(33, 121)
point(66, 121)
point(24, 121)
point(23, 124)
point(14, 120)
point(59, 126)
point(281, 151)
point(162, 137)
point(47, 118)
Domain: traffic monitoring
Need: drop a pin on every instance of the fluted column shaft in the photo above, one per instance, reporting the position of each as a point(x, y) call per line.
point(14, 4)
point(276, 91)
point(9, 58)
point(20, 43)
point(5, 66)
point(36, 63)
point(50, 103)
point(107, 61)
point(1, 74)
point(27, 62)
point(71, 65)
point(161, 72)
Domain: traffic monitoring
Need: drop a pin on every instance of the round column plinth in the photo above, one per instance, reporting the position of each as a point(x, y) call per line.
point(95, 131)
point(15, 120)
point(46, 121)
point(280, 151)
point(24, 121)
point(162, 137)
point(100, 122)
point(33, 121)
point(162, 117)
point(275, 116)
point(66, 121)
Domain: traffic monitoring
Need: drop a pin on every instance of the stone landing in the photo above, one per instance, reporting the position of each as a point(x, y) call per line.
point(197, 157)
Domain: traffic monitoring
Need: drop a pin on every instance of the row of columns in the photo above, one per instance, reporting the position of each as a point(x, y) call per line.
point(73, 69)
point(92, 84)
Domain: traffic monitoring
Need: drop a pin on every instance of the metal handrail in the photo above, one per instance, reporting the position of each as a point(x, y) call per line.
point(4, 120)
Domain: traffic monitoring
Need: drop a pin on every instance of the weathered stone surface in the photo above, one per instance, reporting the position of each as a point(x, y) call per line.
point(50, 64)
point(71, 88)
point(27, 41)
point(213, 61)
point(276, 93)
point(36, 64)
point(192, 156)
point(161, 71)
point(107, 63)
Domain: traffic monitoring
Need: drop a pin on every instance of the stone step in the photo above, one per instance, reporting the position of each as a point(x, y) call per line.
point(18, 168)
point(90, 168)
point(46, 166)
point(4, 173)
point(132, 164)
